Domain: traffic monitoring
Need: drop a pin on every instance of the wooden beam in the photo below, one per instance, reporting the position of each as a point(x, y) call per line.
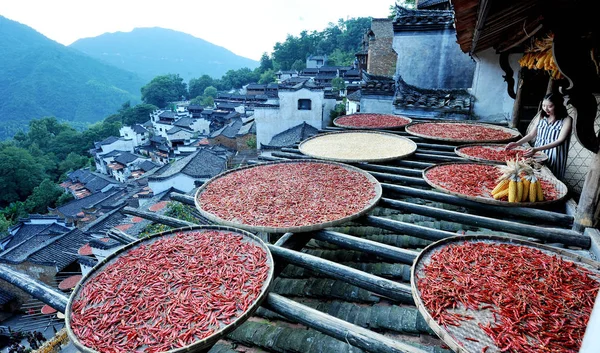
point(564, 236)
point(406, 228)
point(482, 14)
point(385, 251)
point(344, 331)
point(399, 178)
point(170, 221)
point(540, 216)
point(418, 173)
point(393, 290)
point(35, 288)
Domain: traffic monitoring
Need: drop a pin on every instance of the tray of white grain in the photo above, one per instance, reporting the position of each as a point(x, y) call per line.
point(357, 146)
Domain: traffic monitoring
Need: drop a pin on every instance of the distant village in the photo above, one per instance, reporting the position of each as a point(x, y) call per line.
point(178, 150)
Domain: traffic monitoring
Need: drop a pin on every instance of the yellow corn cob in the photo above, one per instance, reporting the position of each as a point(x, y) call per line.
point(501, 194)
point(519, 191)
point(540, 193)
point(526, 183)
point(512, 191)
point(533, 190)
point(503, 185)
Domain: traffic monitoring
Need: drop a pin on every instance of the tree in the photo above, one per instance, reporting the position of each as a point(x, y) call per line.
point(299, 65)
point(198, 85)
point(210, 92)
point(338, 110)
point(340, 58)
point(164, 89)
point(338, 84)
point(267, 77)
point(45, 195)
point(64, 198)
point(19, 174)
point(4, 225)
point(265, 63)
point(72, 162)
point(208, 102)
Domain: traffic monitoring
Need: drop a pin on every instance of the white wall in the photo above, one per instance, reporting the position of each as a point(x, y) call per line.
point(271, 121)
point(138, 139)
point(180, 181)
point(352, 107)
point(121, 145)
point(492, 102)
point(201, 125)
point(180, 135)
point(377, 104)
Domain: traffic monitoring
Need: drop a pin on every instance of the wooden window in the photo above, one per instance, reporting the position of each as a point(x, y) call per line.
point(304, 104)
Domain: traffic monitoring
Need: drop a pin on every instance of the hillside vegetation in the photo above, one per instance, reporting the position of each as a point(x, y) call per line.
point(150, 52)
point(39, 77)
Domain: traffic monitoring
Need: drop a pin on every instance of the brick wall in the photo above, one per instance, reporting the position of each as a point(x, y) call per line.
point(382, 58)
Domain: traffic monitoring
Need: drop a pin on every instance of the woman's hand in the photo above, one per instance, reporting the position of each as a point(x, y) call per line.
point(510, 145)
point(530, 152)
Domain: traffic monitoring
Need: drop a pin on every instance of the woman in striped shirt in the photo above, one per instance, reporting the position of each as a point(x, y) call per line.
point(551, 133)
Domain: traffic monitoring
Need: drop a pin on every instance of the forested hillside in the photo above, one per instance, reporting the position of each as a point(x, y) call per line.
point(39, 77)
point(150, 52)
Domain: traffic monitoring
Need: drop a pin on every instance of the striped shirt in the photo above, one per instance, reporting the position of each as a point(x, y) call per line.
point(557, 156)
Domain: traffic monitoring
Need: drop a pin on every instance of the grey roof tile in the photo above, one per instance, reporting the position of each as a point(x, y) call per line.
point(139, 129)
point(200, 164)
point(126, 158)
point(72, 208)
point(185, 122)
point(109, 140)
point(292, 135)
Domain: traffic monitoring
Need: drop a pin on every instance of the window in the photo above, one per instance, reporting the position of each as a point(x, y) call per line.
point(303, 104)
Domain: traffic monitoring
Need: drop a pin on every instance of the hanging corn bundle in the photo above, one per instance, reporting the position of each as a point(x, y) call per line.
point(517, 182)
point(539, 57)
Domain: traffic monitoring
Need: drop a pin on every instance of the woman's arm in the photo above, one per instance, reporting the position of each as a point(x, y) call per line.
point(530, 136)
point(564, 133)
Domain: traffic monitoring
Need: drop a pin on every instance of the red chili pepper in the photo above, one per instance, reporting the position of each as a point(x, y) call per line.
point(458, 131)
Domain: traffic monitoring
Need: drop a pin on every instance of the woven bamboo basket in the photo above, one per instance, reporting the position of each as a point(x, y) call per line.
point(454, 336)
point(539, 157)
point(200, 345)
point(337, 122)
point(296, 229)
point(515, 134)
point(328, 154)
point(543, 173)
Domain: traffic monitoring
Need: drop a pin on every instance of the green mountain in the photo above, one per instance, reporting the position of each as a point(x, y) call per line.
point(40, 77)
point(150, 52)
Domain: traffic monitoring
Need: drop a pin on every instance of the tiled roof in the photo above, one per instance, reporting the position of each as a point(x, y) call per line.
point(139, 129)
point(229, 105)
point(167, 115)
point(109, 140)
point(148, 124)
point(184, 122)
point(5, 297)
point(126, 158)
point(87, 261)
point(449, 100)
point(72, 208)
point(57, 251)
point(292, 135)
point(25, 232)
point(230, 130)
point(256, 86)
point(423, 4)
point(104, 244)
point(200, 164)
point(105, 222)
point(147, 166)
point(408, 19)
point(354, 96)
point(247, 129)
point(110, 154)
point(97, 184)
point(377, 85)
point(174, 130)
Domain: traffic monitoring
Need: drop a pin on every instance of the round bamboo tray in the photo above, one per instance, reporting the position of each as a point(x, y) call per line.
point(348, 144)
point(454, 336)
point(539, 157)
point(200, 345)
point(543, 173)
point(294, 229)
point(515, 134)
point(337, 122)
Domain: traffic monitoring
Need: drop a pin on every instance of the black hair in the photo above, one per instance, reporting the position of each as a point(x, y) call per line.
point(560, 111)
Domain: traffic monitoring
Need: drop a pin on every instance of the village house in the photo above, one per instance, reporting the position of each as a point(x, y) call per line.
point(137, 133)
point(316, 61)
point(303, 102)
point(188, 172)
point(291, 136)
point(283, 75)
point(82, 183)
point(236, 135)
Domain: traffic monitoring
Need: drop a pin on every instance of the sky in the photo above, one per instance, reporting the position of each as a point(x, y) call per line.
point(247, 28)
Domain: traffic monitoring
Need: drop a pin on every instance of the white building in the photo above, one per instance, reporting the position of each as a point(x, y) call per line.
point(137, 133)
point(301, 103)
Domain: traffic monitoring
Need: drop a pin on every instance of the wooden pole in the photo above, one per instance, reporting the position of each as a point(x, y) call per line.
point(406, 228)
point(36, 289)
point(564, 236)
point(385, 251)
point(588, 207)
point(516, 112)
point(337, 328)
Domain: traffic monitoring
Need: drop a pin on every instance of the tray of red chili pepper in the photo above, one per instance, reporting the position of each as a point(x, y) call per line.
point(288, 196)
point(175, 291)
point(488, 293)
point(462, 131)
point(366, 121)
point(495, 153)
point(475, 181)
